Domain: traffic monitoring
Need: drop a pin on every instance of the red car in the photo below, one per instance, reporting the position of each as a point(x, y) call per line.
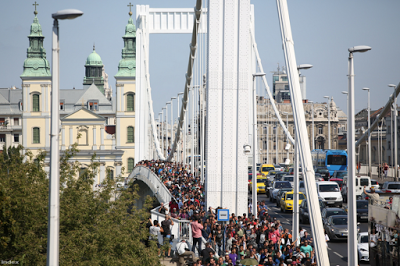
point(339, 181)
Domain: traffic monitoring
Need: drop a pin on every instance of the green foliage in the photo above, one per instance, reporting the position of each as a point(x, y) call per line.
point(95, 229)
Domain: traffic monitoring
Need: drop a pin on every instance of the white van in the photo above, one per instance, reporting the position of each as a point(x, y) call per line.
point(329, 193)
point(360, 182)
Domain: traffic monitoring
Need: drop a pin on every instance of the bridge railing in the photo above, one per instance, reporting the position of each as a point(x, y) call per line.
point(181, 228)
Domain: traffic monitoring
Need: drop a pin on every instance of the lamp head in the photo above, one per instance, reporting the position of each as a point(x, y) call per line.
point(287, 147)
point(345, 92)
point(259, 74)
point(287, 162)
point(246, 149)
point(304, 66)
point(365, 89)
point(392, 85)
point(180, 93)
point(173, 98)
point(327, 97)
point(359, 49)
point(67, 14)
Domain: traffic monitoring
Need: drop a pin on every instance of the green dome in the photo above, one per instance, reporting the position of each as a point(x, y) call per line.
point(94, 59)
point(130, 29)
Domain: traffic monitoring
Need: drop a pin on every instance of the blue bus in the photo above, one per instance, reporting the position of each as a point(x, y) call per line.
point(334, 160)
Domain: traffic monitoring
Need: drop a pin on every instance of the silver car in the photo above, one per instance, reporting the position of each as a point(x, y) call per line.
point(275, 188)
point(336, 227)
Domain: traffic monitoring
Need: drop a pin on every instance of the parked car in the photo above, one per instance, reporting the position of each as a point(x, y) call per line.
point(323, 171)
point(362, 247)
point(328, 212)
point(304, 216)
point(339, 174)
point(286, 201)
point(329, 192)
point(337, 180)
point(336, 227)
point(362, 210)
point(391, 187)
point(276, 186)
point(360, 182)
point(375, 184)
point(280, 194)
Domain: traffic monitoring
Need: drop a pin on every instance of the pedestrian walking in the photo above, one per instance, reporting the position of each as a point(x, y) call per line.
point(386, 169)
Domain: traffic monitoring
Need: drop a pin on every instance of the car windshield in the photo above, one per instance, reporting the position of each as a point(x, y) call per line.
point(328, 188)
point(339, 221)
point(338, 212)
point(364, 239)
point(341, 174)
point(337, 160)
point(364, 181)
point(394, 186)
point(322, 170)
point(261, 180)
point(266, 169)
point(362, 204)
point(282, 185)
point(288, 178)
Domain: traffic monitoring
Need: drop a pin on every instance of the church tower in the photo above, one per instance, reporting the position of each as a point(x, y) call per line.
point(94, 71)
point(36, 88)
point(125, 96)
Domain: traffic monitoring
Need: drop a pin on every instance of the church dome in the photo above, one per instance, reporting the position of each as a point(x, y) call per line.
point(130, 29)
point(94, 59)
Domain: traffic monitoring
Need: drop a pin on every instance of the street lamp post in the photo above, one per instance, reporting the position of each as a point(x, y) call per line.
point(164, 143)
point(394, 144)
point(287, 138)
point(179, 156)
point(172, 122)
point(352, 212)
point(312, 125)
point(329, 121)
point(369, 133)
point(254, 169)
point(53, 229)
point(166, 130)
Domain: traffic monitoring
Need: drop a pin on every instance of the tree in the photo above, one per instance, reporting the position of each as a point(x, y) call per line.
point(95, 229)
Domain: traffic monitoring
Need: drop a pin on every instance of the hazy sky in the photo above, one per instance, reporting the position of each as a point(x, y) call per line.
point(322, 32)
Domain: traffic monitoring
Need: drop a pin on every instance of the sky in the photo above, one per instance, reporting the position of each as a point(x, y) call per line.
point(322, 32)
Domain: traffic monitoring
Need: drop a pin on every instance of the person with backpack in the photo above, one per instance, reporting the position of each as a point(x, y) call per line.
point(166, 231)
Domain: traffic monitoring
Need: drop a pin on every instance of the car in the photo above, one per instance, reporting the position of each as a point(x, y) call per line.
point(265, 168)
point(304, 216)
point(286, 201)
point(362, 210)
point(289, 178)
point(328, 212)
point(260, 184)
point(336, 227)
point(337, 180)
point(329, 192)
point(250, 179)
point(276, 186)
point(291, 171)
point(323, 171)
point(375, 184)
point(318, 177)
point(339, 174)
point(278, 167)
point(277, 176)
point(391, 187)
point(279, 195)
point(362, 247)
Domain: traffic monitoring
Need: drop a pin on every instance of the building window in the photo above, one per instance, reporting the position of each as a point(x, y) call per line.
point(264, 145)
point(284, 78)
point(2, 121)
point(320, 130)
point(106, 118)
point(130, 102)
point(16, 137)
point(2, 137)
point(62, 105)
point(131, 164)
point(110, 174)
point(130, 135)
point(35, 103)
point(93, 105)
point(36, 135)
point(16, 121)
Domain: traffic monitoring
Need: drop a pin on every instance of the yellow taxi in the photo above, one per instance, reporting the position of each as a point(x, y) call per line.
point(287, 201)
point(260, 184)
point(265, 168)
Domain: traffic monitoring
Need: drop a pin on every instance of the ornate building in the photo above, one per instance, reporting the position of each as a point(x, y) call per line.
point(106, 125)
point(272, 139)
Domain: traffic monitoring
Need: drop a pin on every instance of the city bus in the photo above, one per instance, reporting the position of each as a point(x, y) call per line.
point(333, 160)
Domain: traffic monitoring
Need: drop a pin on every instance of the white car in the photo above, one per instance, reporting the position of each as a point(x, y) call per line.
point(362, 247)
point(375, 184)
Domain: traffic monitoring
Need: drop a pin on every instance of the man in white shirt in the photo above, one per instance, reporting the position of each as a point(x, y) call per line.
point(183, 250)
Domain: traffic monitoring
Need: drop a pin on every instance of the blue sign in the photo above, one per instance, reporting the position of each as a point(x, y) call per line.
point(223, 215)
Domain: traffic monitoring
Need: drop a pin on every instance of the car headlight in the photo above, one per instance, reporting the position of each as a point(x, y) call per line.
point(288, 204)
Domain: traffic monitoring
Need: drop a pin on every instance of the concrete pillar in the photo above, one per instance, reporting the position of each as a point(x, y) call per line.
point(71, 140)
point(63, 138)
point(94, 138)
point(102, 171)
point(102, 138)
point(117, 168)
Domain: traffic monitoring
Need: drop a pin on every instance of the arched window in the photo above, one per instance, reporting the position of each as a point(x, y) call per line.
point(131, 164)
point(35, 103)
point(130, 102)
point(130, 135)
point(36, 135)
point(110, 173)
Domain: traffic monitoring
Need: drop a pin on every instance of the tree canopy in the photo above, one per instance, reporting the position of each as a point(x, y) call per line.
point(95, 229)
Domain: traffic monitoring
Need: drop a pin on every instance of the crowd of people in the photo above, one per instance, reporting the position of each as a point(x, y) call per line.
point(243, 237)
